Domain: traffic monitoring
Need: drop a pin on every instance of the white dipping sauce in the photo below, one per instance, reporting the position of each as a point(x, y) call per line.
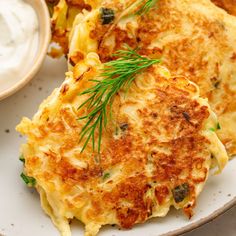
point(18, 40)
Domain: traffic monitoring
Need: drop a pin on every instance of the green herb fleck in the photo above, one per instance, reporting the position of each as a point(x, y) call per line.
point(217, 127)
point(30, 181)
point(180, 192)
point(146, 7)
point(22, 158)
point(116, 75)
point(106, 176)
point(107, 15)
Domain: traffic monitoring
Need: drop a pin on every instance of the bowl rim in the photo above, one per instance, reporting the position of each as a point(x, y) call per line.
point(44, 21)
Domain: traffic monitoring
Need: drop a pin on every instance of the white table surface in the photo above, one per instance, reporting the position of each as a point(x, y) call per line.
point(224, 225)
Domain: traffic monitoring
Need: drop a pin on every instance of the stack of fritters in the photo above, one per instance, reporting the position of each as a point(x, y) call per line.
point(161, 139)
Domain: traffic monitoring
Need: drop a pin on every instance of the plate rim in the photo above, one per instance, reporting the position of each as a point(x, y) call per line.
point(203, 221)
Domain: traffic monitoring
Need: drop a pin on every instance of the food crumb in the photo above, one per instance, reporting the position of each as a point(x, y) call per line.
point(7, 131)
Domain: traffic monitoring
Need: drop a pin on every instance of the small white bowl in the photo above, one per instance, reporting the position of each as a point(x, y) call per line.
point(44, 40)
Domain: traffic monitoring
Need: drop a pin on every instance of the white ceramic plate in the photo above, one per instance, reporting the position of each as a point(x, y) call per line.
point(20, 211)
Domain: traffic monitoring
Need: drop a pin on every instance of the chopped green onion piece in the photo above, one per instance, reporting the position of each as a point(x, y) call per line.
point(218, 126)
point(22, 159)
point(106, 176)
point(180, 192)
point(212, 129)
point(30, 181)
point(107, 15)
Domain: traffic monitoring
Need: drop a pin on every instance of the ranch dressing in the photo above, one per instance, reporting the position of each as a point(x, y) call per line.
point(18, 40)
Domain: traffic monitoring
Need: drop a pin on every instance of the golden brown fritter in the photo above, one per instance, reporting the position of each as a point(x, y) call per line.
point(194, 38)
point(63, 13)
point(156, 151)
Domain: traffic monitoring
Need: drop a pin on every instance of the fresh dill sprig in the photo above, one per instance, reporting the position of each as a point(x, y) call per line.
point(117, 74)
point(146, 7)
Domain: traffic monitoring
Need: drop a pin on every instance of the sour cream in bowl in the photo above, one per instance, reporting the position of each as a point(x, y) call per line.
point(24, 39)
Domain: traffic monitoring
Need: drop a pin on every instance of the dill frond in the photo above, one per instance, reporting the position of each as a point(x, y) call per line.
point(146, 7)
point(116, 75)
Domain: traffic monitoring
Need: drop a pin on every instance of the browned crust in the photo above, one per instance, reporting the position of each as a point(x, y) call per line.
point(228, 5)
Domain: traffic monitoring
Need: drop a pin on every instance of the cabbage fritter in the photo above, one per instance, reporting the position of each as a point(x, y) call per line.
point(156, 150)
point(194, 38)
point(63, 13)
